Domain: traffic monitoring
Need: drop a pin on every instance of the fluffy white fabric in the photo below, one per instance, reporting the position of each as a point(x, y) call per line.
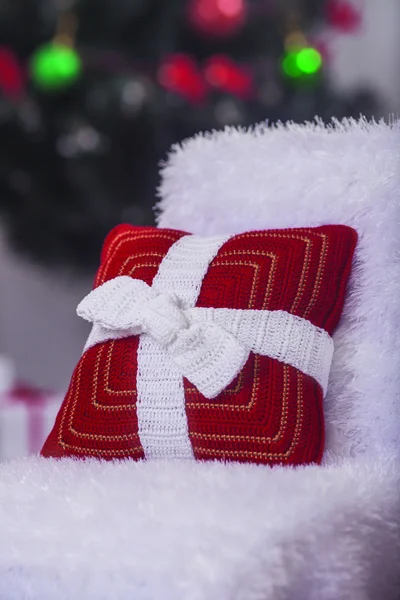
point(72, 530)
point(296, 176)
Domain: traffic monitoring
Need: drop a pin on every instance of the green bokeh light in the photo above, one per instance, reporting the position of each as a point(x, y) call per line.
point(304, 61)
point(55, 66)
point(309, 60)
point(290, 66)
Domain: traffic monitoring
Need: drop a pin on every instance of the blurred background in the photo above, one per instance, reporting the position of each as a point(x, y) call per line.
point(94, 92)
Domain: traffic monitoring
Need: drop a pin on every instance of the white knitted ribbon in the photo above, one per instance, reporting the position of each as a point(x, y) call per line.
point(208, 346)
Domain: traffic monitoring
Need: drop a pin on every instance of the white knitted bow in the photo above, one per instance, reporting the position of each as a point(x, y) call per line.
point(209, 345)
point(206, 354)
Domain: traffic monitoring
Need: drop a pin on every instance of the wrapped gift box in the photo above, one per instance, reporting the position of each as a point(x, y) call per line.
point(26, 415)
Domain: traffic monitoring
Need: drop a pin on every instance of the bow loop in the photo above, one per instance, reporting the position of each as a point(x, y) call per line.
point(117, 304)
point(208, 356)
point(130, 304)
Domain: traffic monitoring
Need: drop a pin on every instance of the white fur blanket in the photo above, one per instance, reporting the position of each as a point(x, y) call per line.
point(199, 531)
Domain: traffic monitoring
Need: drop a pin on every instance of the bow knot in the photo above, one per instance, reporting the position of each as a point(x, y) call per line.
point(162, 318)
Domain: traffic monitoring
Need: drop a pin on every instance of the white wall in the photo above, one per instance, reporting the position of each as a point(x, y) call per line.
point(39, 329)
point(372, 56)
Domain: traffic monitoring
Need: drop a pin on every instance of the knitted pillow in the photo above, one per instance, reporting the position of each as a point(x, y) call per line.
point(207, 348)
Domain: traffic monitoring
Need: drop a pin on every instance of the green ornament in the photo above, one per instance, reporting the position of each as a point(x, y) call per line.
point(55, 66)
point(302, 62)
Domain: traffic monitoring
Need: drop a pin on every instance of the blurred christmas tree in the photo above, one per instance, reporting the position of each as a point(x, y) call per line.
point(94, 92)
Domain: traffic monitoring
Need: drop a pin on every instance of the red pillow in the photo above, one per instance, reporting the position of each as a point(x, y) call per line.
point(207, 348)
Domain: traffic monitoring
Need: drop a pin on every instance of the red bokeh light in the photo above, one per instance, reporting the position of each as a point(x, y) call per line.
point(223, 73)
point(217, 17)
point(11, 75)
point(179, 74)
point(343, 15)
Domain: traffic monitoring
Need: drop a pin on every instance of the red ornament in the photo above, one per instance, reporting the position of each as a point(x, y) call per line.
point(179, 74)
point(217, 17)
point(223, 73)
point(343, 15)
point(11, 75)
